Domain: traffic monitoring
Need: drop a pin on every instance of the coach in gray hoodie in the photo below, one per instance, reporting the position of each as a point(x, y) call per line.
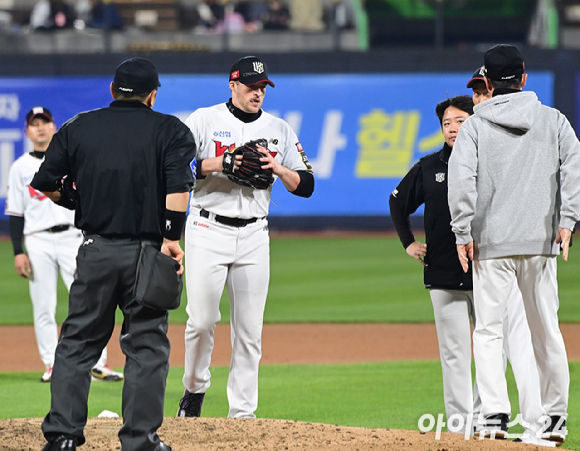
point(514, 197)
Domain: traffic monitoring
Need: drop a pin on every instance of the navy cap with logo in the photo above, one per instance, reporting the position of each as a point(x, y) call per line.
point(503, 62)
point(136, 76)
point(38, 111)
point(478, 75)
point(250, 70)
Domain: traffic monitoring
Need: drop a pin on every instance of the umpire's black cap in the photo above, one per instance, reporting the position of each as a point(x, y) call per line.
point(250, 70)
point(477, 76)
point(136, 76)
point(503, 62)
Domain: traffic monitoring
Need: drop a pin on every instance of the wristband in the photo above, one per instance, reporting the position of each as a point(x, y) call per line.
point(174, 221)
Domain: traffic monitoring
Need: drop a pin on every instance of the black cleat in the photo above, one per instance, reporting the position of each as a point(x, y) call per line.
point(556, 431)
point(62, 443)
point(495, 428)
point(190, 405)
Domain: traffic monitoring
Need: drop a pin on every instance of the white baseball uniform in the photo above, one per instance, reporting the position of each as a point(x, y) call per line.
point(47, 251)
point(453, 310)
point(238, 257)
point(489, 281)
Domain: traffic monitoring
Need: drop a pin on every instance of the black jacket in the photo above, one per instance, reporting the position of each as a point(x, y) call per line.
point(426, 183)
point(124, 160)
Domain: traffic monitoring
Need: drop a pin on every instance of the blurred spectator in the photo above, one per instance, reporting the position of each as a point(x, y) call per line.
point(100, 14)
point(339, 13)
point(252, 12)
point(211, 13)
point(306, 15)
point(51, 15)
point(276, 17)
point(233, 22)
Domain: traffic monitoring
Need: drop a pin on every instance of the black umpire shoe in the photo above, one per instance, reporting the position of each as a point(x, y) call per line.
point(556, 431)
point(496, 427)
point(62, 443)
point(190, 405)
point(163, 447)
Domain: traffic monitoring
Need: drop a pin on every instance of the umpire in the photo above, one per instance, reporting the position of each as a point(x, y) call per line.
point(131, 168)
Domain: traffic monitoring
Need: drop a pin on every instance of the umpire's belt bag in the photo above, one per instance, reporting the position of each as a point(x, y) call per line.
point(157, 284)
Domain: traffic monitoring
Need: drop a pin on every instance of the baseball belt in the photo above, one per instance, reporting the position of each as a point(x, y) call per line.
point(233, 222)
point(58, 228)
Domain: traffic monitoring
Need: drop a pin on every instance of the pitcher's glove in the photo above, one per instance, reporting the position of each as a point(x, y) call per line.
point(250, 173)
point(68, 194)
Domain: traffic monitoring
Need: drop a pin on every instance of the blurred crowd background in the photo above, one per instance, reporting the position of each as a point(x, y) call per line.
point(282, 25)
point(358, 80)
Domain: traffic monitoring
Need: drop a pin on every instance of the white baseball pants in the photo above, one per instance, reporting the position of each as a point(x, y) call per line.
point(48, 253)
point(239, 258)
point(453, 310)
point(520, 352)
point(536, 278)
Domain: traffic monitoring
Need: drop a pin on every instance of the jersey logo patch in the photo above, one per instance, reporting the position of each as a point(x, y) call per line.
point(304, 157)
point(440, 177)
point(35, 194)
point(220, 149)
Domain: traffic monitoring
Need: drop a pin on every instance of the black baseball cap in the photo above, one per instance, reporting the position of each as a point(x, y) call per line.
point(38, 111)
point(503, 62)
point(478, 75)
point(250, 70)
point(136, 76)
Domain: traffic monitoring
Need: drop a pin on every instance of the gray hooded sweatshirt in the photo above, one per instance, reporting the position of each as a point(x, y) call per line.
point(514, 178)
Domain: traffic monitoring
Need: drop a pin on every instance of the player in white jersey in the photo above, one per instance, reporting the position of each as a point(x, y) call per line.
point(227, 240)
point(51, 242)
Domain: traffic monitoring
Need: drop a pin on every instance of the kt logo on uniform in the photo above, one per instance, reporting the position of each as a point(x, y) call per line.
point(220, 149)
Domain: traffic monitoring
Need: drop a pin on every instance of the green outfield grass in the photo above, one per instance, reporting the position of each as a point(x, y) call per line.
point(379, 395)
point(328, 279)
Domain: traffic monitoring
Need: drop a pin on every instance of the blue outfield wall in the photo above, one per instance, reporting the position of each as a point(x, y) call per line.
point(361, 132)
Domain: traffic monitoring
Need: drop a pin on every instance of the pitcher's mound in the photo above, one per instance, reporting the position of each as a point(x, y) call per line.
point(201, 434)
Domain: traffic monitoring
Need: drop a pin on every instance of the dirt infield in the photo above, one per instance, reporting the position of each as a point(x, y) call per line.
point(212, 434)
point(282, 344)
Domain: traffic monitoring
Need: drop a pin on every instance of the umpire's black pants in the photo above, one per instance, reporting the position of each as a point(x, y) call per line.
point(105, 277)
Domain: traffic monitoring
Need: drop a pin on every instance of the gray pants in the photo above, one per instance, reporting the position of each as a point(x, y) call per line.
point(104, 280)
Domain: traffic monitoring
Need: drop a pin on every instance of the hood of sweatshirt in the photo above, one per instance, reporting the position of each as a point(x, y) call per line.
point(517, 110)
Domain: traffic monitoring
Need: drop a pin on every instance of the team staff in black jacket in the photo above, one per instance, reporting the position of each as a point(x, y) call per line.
point(450, 288)
point(131, 168)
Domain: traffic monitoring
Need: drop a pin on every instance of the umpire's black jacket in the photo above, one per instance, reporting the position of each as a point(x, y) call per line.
point(122, 174)
point(426, 183)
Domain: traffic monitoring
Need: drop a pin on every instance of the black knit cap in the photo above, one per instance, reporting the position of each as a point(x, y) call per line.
point(250, 70)
point(503, 62)
point(136, 76)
